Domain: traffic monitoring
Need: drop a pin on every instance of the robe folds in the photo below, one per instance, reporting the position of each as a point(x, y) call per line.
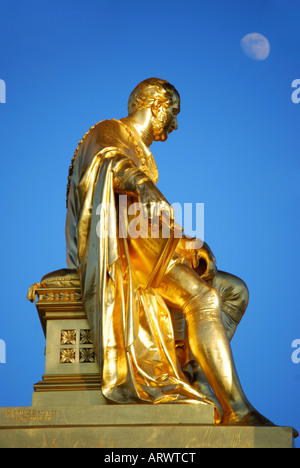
point(131, 326)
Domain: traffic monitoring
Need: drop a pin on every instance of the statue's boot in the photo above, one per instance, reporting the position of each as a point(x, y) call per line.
point(211, 348)
point(209, 343)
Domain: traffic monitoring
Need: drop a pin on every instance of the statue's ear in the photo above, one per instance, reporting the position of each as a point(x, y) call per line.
point(155, 108)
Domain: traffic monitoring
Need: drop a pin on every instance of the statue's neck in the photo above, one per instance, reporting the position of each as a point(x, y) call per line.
point(142, 123)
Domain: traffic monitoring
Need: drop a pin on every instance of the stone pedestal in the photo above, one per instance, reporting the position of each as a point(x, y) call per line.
point(71, 372)
point(68, 409)
point(132, 426)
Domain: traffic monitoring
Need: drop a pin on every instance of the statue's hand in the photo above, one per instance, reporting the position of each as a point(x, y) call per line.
point(153, 201)
point(199, 255)
point(205, 263)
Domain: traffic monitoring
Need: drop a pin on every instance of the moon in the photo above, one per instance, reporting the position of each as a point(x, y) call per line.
point(256, 46)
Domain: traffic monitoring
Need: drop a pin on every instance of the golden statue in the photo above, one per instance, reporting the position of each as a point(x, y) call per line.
point(161, 340)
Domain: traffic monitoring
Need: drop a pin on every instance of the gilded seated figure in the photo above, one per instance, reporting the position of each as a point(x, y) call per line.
point(162, 342)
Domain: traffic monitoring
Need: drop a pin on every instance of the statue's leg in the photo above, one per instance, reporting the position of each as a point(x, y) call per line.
point(208, 340)
point(189, 365)
point(234, 299)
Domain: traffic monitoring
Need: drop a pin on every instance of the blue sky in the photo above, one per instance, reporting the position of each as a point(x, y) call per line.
point(69, 64)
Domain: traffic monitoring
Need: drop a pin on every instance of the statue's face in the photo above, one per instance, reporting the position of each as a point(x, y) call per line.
point(165, 120)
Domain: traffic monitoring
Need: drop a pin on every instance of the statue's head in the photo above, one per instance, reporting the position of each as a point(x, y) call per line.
point(163, 100)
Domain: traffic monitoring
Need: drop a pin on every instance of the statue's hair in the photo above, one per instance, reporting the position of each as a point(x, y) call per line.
point(149, 91)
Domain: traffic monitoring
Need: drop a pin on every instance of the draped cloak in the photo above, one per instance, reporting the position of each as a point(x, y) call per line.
point(131, 327)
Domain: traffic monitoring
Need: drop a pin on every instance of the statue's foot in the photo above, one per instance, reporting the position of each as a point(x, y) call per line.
point(252, 418)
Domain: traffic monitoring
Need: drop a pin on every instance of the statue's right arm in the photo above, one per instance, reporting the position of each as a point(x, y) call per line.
point(127, 176)
point(130, 180)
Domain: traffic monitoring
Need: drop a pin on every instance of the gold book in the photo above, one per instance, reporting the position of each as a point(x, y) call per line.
point(152, 250)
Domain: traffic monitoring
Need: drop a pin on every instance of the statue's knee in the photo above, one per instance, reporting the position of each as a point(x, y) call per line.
point(245, 293)
point(205, 305)
point(242, 291)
